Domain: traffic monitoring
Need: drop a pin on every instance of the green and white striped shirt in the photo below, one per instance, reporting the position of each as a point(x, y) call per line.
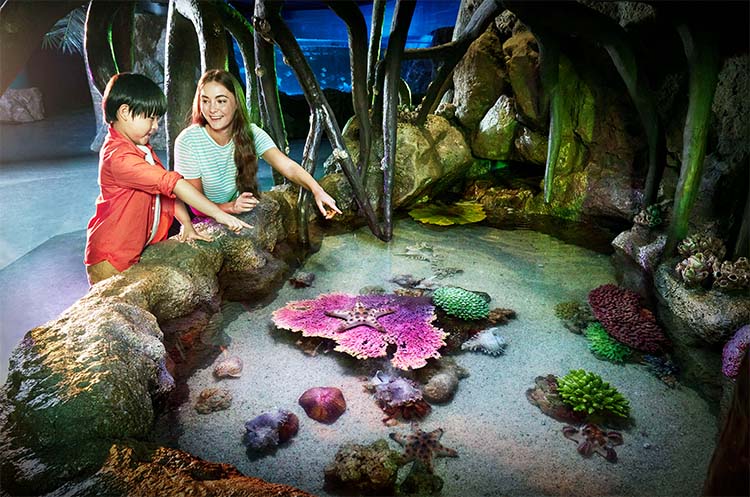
point(198, 156)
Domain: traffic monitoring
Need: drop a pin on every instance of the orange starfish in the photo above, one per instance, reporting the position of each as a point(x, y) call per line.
point(422, 446)
point(360, 316)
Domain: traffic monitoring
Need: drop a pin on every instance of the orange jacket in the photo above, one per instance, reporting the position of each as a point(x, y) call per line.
point(124, 215)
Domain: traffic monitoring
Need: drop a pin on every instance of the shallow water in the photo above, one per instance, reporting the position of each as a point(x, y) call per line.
point(506, 446)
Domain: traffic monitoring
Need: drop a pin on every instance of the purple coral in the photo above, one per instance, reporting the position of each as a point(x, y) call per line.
point(620, 312)
point(409, 327)
point(734, 350)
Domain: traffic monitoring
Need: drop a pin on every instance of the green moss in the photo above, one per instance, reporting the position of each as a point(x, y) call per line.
point(461, 303)
point(604, 346)
point(587, 392)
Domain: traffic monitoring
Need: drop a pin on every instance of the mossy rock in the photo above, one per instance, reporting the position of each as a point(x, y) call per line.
point(446, 215)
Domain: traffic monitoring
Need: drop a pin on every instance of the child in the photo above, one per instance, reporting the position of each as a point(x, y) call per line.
point(137, 202)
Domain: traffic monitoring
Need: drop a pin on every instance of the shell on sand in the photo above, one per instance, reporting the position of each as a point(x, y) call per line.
point(229, 367)
point(488, 341)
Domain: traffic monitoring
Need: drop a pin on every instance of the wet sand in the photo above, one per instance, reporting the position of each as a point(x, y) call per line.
point(506, 445)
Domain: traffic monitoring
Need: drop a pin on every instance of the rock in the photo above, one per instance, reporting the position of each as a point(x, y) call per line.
point(531, 146)
point(363, 469)
point(637, 253)
point(21, 105)
point(479, 78)
point(494, 136)
point(522, 56)
point(699, 322)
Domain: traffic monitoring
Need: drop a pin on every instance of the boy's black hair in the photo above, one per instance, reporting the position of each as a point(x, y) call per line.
point(143, 96)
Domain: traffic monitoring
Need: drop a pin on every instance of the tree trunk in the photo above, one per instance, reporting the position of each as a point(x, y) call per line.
point(275, 28)
point(373, 53)
point(396, 43)
point(309, 161)
point(23, 25)
point(265, 70)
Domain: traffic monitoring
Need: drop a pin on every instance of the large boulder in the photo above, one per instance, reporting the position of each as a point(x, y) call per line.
point(494, 136)
point(479, 78)
point(522, 55)
point(699, 323)
point(21, 105)
point(85, 380)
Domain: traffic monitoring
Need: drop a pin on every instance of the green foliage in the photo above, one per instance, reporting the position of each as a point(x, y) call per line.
point(604, 346)
point(446, 215)
point(67, 34)
point(461, 303)
point(587, 392)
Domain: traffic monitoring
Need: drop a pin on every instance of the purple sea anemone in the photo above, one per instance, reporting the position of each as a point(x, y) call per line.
point(270, 429)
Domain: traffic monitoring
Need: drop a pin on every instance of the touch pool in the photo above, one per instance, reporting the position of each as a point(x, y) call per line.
point(505, 445)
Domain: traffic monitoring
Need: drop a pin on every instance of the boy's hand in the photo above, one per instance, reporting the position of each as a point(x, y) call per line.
point(188, 234)
point(326, 204)
point(232, 222)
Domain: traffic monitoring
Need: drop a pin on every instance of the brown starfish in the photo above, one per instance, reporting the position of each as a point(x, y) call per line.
point(422, 446)
point(360, 316)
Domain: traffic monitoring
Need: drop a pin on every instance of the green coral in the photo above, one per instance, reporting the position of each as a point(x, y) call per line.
point(446, 215)
point(604, 346)
point(461, 303)
point(587, 392)
point(704, 243)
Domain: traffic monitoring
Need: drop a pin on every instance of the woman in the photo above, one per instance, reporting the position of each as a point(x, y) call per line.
point(218, 154)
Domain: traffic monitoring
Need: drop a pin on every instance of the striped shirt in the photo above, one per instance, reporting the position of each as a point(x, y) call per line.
point(198, 156)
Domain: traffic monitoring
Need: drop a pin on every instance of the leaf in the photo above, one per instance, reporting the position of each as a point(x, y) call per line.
point(446, 215)
point(67, 33)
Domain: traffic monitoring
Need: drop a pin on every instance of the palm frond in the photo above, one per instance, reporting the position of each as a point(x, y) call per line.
point(67, 33)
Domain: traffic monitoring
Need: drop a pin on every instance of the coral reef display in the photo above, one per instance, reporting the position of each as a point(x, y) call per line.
point(620, 312)
point(228, 366)
point(587, 392)
point(604, 346)
point(489, 342)
point(363, 469)
point(270, 429)
point(650, 217)
point(422, 446)
point(398, 397)
point(409, 327)
point(323, 404)
point(461, 303)
point(575, 315)
point(544, 394)
point(733, 352)
point(445, 215)
point(212, 400)
point(592, 439)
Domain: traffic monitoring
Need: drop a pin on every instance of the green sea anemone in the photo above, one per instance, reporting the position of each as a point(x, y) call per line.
point(461, 303)
point(445, 215)
point(586, 391)
point(604, 346)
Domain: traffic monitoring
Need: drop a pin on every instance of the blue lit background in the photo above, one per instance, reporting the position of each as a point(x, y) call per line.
point(324, 41)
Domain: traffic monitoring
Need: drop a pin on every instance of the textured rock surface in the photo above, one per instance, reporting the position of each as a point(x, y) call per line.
point(496, 132)
point(522, 55)
point(22, 105)
point(78, 383)
point(699, 323)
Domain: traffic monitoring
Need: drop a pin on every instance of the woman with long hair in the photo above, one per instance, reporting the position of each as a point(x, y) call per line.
point(218, 153)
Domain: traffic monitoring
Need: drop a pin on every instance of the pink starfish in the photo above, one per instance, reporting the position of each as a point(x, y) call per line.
point(422, 446)
point(360, 316)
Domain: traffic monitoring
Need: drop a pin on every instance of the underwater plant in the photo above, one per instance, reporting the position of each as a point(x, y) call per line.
point(461, 303)
point(604, 346)
point(587, 392)
point(446, 215)
point(619, 311)
point(409, 327)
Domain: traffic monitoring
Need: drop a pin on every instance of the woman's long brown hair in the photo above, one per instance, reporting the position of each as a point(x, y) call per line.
point(244, 147)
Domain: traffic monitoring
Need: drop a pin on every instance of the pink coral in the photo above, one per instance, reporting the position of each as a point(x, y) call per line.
point(620, 312)
point(734, 350)
point(409, 327)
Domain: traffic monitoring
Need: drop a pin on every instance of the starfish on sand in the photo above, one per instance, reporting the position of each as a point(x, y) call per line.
point(422, 446)
point(360, 316)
